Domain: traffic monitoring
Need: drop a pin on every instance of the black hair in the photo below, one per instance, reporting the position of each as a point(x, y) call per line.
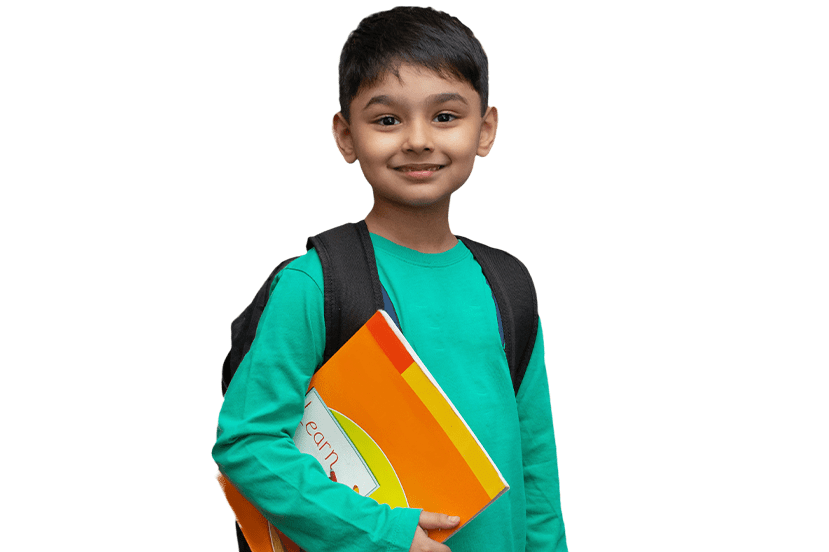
point(420, 36)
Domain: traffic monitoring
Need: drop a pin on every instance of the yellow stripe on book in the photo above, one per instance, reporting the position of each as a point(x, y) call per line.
point(455, 429)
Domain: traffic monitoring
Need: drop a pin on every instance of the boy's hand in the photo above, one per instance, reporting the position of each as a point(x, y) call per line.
point(431, 520)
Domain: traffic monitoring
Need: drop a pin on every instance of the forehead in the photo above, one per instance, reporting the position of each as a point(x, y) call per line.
point(415, 85)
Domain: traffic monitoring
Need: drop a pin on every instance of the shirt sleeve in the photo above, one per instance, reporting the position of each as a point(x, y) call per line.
point(263, 407)
point(545, 525)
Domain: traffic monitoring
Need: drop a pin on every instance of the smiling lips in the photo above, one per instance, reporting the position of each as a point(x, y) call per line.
point(418, 167)
point(421, 170)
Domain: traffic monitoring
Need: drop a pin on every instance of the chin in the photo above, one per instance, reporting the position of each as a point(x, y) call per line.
point(416, 202)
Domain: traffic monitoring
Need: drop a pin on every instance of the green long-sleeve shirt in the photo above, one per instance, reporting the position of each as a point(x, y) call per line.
point(448, 315)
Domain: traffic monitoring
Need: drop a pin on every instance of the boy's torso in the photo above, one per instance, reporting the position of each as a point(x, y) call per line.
point(447, 313)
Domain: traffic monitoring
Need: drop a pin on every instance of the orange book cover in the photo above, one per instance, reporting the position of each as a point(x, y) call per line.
point(378, 422)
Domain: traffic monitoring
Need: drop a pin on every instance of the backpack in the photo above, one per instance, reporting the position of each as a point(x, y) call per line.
point(353, 293)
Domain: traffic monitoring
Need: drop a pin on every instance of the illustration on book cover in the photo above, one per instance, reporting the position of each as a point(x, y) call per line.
point(320, 435)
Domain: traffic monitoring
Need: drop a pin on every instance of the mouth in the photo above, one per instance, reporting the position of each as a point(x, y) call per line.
point(419, 168)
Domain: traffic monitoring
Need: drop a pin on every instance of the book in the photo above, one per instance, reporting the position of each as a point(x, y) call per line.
point(378, 422)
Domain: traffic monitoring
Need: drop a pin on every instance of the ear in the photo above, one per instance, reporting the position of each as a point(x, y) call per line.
point(489, 125)
point(342, 135)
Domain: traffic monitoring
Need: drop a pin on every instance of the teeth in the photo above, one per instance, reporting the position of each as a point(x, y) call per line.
point(417, 169)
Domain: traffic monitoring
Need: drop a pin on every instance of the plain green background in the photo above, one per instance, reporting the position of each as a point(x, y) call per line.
point(660, 167)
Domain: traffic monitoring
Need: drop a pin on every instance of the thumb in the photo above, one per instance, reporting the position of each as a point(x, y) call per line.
point(431, 520)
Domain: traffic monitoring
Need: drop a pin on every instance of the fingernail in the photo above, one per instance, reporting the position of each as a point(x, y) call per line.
point(454, 519)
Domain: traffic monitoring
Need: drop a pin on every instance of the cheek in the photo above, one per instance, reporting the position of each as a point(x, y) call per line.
point(463, 146)
point(376, 148)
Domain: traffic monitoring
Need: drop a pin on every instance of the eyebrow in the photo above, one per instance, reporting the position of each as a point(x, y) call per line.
point(384, 99)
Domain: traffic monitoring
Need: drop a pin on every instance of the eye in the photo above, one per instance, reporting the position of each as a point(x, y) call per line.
point(388, 120)
point(445, 118)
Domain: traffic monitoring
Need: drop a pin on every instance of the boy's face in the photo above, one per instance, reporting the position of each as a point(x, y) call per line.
point(416, 136)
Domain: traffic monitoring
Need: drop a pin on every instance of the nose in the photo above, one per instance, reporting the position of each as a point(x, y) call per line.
point(418, 137)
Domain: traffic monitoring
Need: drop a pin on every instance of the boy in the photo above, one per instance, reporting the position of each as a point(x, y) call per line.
point(413, 99)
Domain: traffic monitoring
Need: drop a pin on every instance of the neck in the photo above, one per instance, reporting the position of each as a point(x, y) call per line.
point(424, 229)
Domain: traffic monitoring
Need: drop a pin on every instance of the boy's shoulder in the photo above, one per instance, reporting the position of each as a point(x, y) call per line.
point(307, 264)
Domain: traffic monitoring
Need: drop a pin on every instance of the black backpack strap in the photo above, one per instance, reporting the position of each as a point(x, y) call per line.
point(515, 298)
point(351, 285)
point(243, 329)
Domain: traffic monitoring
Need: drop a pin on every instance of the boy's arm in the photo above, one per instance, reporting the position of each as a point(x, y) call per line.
point(262, 408)
point(545, 526)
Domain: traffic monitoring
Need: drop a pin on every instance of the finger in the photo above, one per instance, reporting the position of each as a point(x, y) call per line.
point(432, 520)
point(423, 543)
